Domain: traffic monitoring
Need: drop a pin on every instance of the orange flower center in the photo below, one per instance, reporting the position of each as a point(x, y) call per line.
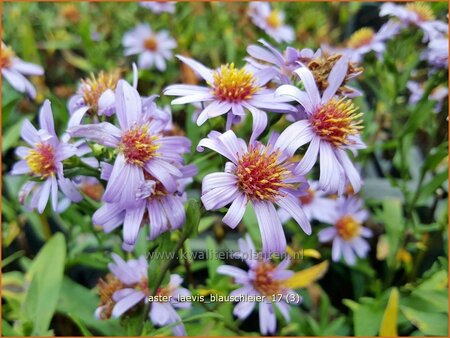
point(143, 286)
point(94, 191)
point(335, 121)
point(94, 87)
point(41, 160)
point(164, 292)
point(361, 37)
point(138, 146)
point(264, 282)
point(71, 13)
point(274, 19)
point(231, 84)
point(308, 198)
point(151, 44)
point(348, 228)
point(260, 176)
point(106, 289)
point(423, 10)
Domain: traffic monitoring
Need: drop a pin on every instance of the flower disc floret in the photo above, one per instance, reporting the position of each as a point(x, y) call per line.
point(336, 120)
point(232, 84)
point(138, 146)
point(94, 87)
point(41, 160)
point(348, 228)
point(260, 176)
point(361, 37)
point(422, 10)
point(264, 283)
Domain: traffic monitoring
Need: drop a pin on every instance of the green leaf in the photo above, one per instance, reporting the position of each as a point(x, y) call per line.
point(79, 303)
point(213, 262)
point(46, 273)
point(192, 218)
point(8, 330)
point(11, 136)
point(428, 300)
point(367, 315)
point(430, 188)
point(84, 330)
point(437, 281)
point(162, 254)
point(435, 324)
point(392, 217)
point(13, 286)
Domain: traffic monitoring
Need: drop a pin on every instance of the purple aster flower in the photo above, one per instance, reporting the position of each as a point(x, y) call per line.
point(14, 69)
point(271, 21)
point(437, 52)
point(154, 48)
point(124, 288)
point(43, 161)
point(163, 211)
point(127, 286)
point(164, 313)
point(418, 14)
point(347, 232)
point(260, 175)
point(231, 91)
point(332, 127)
point(264, 278)
point(95, 96)
point(315, 203)
point(158, 7)
point(365, 40)
point(141, 146)
point(269, 59)
point(439, 94)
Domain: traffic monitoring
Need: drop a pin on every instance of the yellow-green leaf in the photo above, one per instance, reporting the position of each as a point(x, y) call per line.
point(311, 253)
point(305, 277)
point(388, 326)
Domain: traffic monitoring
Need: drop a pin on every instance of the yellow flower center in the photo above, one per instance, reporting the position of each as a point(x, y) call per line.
point(361, 37)
point(231, 84)
point(7, 55)
point(274, 19)
point(423, 10)
point(41, 160)
point(138, 146)
point(264, 282)
point(348, 228)
point(260, 176)
point(94, 87)
point(151, 44)
point(336, 120)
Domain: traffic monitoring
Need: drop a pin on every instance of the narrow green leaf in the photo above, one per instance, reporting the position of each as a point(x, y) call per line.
point(45, 273)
